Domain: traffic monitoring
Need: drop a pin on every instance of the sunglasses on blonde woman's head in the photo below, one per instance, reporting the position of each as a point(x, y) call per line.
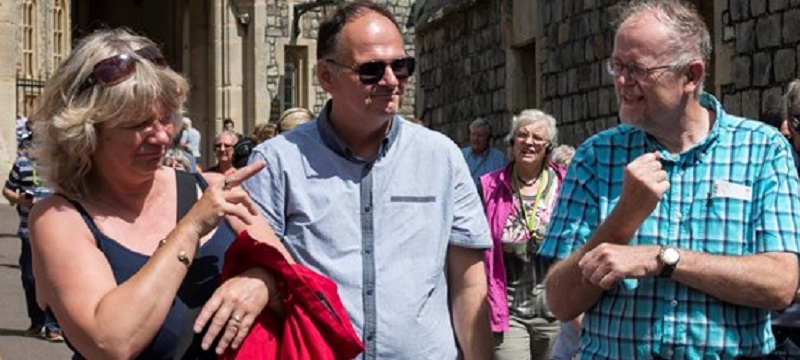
point(371, 72)
point(118, 68)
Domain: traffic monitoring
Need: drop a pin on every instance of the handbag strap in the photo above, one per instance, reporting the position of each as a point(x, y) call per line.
point(187, 192)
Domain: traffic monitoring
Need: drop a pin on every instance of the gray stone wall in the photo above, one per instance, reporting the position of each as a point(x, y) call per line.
point(755, 56)
point(463, 67)
point(279, 27)
point(461, 48)
point(765, 38)
point(576, 89)
point(461, 62)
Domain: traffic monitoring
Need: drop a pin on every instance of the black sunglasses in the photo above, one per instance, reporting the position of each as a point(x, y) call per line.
point(221, 145)
point(118, 68)
point(371, 72)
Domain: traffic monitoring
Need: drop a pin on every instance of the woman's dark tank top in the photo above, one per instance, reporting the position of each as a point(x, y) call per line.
point(175, 339)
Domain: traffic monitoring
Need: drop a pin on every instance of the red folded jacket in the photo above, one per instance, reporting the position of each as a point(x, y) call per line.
point(315, 325)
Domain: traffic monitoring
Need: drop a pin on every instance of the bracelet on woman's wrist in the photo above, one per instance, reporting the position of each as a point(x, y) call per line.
point(183, 257)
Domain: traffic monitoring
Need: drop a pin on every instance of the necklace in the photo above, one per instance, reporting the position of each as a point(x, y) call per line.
point(526, 183)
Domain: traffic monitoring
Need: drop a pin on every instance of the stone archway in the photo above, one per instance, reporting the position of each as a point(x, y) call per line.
point(180, 27)
point(158, 20)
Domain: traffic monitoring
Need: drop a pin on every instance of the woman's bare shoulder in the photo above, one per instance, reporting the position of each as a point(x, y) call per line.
point(52, 205)
point(55, 215)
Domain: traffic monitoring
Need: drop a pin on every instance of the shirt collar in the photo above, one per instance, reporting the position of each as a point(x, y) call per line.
point(699, 150)
point(480, 154)
point(337, 145)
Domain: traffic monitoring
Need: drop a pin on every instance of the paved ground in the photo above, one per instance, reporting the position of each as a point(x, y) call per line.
point(13, 318)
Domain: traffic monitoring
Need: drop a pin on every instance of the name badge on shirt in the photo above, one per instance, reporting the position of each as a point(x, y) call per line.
point(724, 189)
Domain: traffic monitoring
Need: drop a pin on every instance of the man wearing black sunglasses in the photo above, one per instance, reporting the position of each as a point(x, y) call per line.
point(384, 207)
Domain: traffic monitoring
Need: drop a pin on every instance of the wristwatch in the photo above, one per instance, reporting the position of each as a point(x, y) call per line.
point(669, 257)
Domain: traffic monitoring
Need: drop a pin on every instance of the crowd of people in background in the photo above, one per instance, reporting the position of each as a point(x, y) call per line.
point(671, 235)
point(23, 188)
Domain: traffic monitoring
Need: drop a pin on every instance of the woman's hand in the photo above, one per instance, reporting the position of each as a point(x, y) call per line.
point(234, 307)
point(224, 198)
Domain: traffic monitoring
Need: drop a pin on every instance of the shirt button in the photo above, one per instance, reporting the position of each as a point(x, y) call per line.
point(678, 216)
point(670, 353)
point(370, 337)
point(674, 303)
point(368, 251)
point(369, 292)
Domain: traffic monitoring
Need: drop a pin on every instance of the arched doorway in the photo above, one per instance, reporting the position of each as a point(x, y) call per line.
point(158, 20)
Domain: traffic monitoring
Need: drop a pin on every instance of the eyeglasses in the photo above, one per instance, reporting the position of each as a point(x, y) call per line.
point(118, 68)
point(794, 122)
point(223, 145)
point(536, 140)
point(634, 73)
point(371, 72)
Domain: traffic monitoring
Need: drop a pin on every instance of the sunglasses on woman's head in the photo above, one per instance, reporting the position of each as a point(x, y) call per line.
point(118, 68)
point(371, 72)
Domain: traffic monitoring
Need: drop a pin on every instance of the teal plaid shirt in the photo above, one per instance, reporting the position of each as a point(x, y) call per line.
point(657, 316)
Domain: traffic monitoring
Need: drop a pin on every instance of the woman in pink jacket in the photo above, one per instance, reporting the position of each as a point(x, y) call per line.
point(518, 200)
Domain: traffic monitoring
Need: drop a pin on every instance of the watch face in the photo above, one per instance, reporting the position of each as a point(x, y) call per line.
point(670, 256)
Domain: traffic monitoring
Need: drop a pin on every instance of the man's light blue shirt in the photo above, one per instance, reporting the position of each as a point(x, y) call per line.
point(657, 316)
point(379, 229)
point(481, 164)
point(191, 137)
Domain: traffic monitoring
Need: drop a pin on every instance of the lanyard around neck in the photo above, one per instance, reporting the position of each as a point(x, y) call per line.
point(530, 218)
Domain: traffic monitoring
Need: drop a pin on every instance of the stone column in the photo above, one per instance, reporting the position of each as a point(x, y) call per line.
point(256, 96)
point(9, 34)
point(229, 65)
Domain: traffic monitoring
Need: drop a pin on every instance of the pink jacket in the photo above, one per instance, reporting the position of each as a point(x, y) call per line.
point(498, 197)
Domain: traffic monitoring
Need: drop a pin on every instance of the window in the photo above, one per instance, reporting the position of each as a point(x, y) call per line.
point(295, 77)
point(290, 81)
point(706, 10)
point(29, 29)
point(522, 66)
point(59, 15)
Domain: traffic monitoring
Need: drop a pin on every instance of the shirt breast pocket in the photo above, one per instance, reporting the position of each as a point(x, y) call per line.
point(413, 218)
point(722, 226)
point(413, 199)
point(415, 210)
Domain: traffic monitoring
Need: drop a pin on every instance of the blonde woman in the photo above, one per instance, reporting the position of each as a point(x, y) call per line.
point(127, 252)
point(293, 117)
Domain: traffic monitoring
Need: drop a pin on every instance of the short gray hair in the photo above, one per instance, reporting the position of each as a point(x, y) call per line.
point(177, 155)
point(791, 100)
point(481, 121)
point(562, 155)
point(691, 39)
point(228, 134)
point(531, 116)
